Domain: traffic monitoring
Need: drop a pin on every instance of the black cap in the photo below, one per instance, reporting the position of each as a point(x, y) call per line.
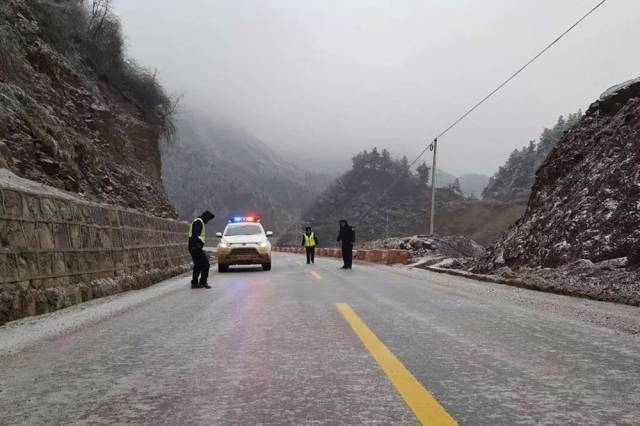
point(207, 216)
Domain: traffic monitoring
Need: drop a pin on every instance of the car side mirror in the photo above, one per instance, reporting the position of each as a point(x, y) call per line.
point(269, 234)
point(219, 234)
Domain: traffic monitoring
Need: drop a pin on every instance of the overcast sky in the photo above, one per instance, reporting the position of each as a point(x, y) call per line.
point(327, 78)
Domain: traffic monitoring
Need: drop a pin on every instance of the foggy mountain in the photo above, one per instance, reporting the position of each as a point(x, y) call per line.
point(357, 197)
point(217, 166)
point(472, 184)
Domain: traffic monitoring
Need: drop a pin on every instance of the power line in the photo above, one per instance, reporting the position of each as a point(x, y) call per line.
point(433, 145)
point(522, 68)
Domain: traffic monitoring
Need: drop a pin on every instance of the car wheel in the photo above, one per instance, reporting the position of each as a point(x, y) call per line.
point(266, 266)
point(223, 268)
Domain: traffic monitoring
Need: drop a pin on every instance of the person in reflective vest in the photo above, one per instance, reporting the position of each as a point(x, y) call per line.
point(197, 237)
point(309, 242)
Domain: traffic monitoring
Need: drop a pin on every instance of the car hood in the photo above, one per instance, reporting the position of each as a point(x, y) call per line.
point(244, 239)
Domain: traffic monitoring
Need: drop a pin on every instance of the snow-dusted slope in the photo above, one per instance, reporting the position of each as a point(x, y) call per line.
point(585, 202)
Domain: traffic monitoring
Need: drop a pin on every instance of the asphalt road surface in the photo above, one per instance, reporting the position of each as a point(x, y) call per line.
point(317, 345)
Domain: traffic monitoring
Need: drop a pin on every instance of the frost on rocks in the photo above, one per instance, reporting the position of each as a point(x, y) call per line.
point(584, 209)
point(430, 247)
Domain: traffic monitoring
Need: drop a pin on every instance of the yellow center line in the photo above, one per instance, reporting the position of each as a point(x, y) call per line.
point(316, 275)
point(422, 403)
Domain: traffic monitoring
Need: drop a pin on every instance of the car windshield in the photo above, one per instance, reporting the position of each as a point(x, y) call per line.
point(248, 229)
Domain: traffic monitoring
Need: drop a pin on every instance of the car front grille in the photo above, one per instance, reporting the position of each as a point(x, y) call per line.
point(245, 251)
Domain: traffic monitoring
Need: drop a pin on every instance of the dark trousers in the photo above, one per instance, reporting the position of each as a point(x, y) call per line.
point(200, 266)
point(311, 254)
point(347, 255)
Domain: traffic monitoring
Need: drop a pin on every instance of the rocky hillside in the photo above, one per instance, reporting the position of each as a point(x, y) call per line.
point(514, 180)
point(74, 113)
point(217, 166)
point(585, 202)
point(356, 197)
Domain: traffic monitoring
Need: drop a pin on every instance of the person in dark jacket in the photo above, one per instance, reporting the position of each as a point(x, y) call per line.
point(197, 233)
point(309, 242)
point(347, 237)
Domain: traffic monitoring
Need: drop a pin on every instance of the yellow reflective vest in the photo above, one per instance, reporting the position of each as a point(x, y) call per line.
point(309, 240)
point(202, 235)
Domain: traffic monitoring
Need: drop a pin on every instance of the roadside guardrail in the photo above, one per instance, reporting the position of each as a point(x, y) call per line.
point(387, 257)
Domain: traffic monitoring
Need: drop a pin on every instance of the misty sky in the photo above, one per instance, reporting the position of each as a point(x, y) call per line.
point(324, 79)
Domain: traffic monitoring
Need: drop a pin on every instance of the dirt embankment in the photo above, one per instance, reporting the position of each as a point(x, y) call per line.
point(73, 113)
point(580, 233)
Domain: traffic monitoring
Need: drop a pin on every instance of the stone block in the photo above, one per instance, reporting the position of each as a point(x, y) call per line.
point(45, 235)
point(84, 213)
point(96, 260)
point(10, 304)
point(49, 209)
point(118, 260)
point(91, 237)
point(45, 262)
point(116, 235)
point(2, 210)
point(8, 267)
point(76, 237)
point(61, 236)
point(28, 303)
point(31, 234)
point(54, 298)
point(31, 207)
point(104, 261)
point(27, 266)
point(58, 266)
point(42, 305)
point(83, 262)
point(71, 262)
point(38, 284)
point(12, 203)
point(104, 238)
point(11, 235)
point(65, 208)
point(76, 212)
point(113, 218)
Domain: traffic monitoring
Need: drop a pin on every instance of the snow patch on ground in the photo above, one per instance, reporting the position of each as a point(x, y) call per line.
point(18, 335)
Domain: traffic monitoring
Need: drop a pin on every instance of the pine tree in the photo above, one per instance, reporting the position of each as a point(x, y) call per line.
point(455, 187)
point(515, 179)
point(423, 171)
point(375, 159)
point(386, 161)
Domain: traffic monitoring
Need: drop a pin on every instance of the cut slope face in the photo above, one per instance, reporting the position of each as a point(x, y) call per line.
point(585, 203)
point(63, 119)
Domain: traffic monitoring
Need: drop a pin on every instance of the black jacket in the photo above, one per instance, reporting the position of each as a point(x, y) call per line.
point(347, 236)
point(194, 241)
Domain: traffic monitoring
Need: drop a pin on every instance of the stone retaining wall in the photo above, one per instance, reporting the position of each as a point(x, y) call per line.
point(57, 250)
point(387, 257)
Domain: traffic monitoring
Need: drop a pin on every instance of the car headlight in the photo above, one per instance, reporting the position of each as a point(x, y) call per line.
point(223, 245)
point(263, 244)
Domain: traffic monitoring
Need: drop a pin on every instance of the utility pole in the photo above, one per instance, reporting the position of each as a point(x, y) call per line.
point(387, 233)
point(433, 147)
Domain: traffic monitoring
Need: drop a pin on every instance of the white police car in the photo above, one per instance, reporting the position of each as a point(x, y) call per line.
point(244, 242)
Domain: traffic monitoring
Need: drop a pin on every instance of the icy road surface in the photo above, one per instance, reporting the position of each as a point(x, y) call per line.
point(274, 348)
